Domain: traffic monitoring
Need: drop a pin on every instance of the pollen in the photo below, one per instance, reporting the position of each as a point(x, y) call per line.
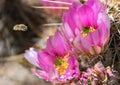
point(62, 67)
point(92, 29)
point(84, 34)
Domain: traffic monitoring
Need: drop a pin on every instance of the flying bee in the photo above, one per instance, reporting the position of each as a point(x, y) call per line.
point(20, 27)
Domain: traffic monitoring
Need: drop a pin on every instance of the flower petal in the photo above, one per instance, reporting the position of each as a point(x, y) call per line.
point(31, 56)
point(46, 61)
point(57, 44)
point(41, 74)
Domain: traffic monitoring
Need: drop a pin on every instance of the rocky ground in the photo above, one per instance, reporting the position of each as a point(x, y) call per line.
point(13, 73)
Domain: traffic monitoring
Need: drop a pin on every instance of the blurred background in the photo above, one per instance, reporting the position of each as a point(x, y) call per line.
point(38, 25)
point(14, 69)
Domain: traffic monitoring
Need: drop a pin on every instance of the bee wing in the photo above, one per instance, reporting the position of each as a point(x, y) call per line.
point(16, 27)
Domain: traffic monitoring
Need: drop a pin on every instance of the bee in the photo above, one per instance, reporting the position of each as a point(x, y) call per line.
point(20, 27)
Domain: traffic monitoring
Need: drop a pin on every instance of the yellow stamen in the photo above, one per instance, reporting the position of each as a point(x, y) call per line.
point(91, 29)
point(84, 34)
point(63, 66)
point(86, 30)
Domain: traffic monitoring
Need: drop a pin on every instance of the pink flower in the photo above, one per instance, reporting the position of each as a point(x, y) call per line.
point(102, 72)
point(87, 26)
point(31, 56)
point(56, 3)
point(55, 62)
point(95, 74)
point(87, 78)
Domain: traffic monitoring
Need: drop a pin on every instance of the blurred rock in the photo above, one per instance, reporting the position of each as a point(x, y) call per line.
point(12, 73)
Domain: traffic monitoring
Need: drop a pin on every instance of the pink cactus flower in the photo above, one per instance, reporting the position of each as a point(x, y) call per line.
point(87, 78)
point(57, 3)
point(109, 71)
point(102, 71)
point(55, 63)
point(87, 26)
point(95, 74)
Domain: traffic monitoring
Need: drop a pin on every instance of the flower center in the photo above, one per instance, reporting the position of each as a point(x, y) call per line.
point(61, 64)
point(86, 30)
